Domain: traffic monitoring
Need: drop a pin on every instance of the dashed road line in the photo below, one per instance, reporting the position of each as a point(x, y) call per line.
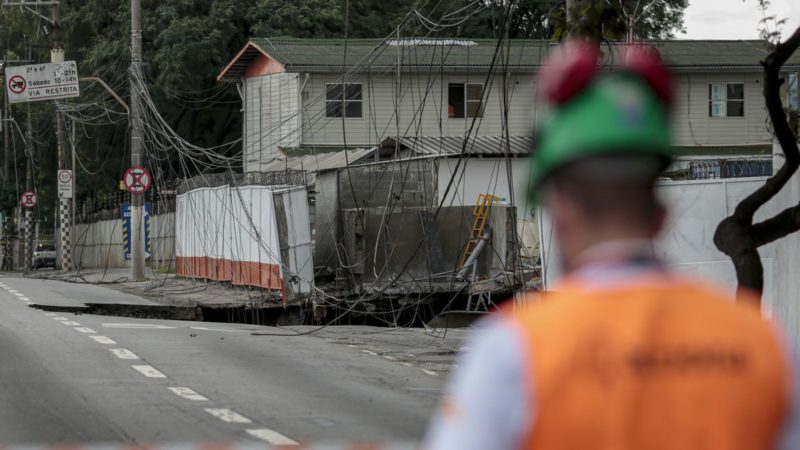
point(85, 330)
point(137, 326)
point(430, 372)
point(390, 358)
point(59, 318)
point(25, 299)
point(49, 314)
point(188, 394)
point(102, 339)
point(70, 323)
point(407, 364)
point(122, 353)
point(370, 352)
point(149, 371)
point(19, 294)
point(226, 415)
point(272, 437)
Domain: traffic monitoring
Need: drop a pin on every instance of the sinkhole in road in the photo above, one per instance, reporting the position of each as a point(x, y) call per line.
point(395, 312)
point(245, 314)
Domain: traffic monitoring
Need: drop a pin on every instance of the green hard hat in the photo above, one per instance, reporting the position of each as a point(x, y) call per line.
point(616, 114)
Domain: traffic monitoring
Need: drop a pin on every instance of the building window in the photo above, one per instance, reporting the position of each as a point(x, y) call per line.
point(794, 92)
point(464, 100)
point(351, 104)
point(726, 100)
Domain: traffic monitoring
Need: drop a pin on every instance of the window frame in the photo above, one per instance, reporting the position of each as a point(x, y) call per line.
point(466, 101)
point(725, 100)
point(342, 102)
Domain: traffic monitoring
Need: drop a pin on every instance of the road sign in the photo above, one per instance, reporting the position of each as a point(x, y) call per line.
point(137, 180)
point(64, 184)
point(127, 230)
point(29, 199)
point(37, 82)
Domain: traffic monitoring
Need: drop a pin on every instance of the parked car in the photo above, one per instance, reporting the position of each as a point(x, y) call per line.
point(44, 256)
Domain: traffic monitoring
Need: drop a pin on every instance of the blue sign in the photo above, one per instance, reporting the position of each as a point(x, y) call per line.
point(126, 230)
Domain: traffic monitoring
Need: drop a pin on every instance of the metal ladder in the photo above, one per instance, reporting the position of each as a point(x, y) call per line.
point(481, 214)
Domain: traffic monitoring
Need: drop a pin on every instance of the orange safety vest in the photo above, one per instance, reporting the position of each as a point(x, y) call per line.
point(668, 364)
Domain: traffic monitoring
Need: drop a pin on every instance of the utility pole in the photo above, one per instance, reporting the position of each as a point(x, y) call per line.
point(28, 244)
point(570, 8)
point(137, 199)
point(6, 146)
point(57, 57)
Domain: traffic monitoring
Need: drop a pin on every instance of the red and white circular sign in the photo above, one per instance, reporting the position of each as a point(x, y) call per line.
point(17, 84)
point(137, 180)
point(29, 199)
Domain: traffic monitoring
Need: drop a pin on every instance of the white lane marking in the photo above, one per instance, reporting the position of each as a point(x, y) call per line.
point(369, 352)
point(59, 318)
point(143, 326)
point(19, 294)
point(122, 353)
point(272, 437)
point(188, 394)
point(390, 358)
point(25, 299)
point(70, 323)
point(220, 329)
point(12, 291)
point(49, 314)
point(85, 330)
point(226, 415)
point(102, 339)
point(407, 364)
point(352, 346)
point(149, 371)
point(430, 372)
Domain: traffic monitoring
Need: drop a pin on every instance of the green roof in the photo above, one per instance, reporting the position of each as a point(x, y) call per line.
point(378, 52)
point(461, 54)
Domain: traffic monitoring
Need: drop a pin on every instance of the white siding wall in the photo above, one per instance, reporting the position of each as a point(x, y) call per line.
point(430, 119)
point(693, 126)
point(272, 117)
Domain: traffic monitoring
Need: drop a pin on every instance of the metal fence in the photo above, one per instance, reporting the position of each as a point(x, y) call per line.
point(730, 168)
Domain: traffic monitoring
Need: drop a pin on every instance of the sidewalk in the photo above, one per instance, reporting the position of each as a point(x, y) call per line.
point(167, 289)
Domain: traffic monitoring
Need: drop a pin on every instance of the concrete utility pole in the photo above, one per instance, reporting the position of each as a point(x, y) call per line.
point(28, 244)
point(57, 56)
point(570, 8)
point(137, 199)
point(6, 143)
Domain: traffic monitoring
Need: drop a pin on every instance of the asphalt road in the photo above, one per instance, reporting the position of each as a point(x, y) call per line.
point(67, 378)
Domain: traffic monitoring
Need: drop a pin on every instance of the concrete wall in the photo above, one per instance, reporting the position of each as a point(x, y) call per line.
point(393, 185)
point(475, 176)
point(99, 245)
point(420, 250)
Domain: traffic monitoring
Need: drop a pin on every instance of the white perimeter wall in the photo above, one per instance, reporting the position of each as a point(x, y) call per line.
point(696, 207)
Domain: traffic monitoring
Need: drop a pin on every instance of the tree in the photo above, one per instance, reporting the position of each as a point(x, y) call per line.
point(594, 19)
point(737, 236)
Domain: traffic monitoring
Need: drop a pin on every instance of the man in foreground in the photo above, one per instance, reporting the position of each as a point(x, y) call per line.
point(622, 354)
